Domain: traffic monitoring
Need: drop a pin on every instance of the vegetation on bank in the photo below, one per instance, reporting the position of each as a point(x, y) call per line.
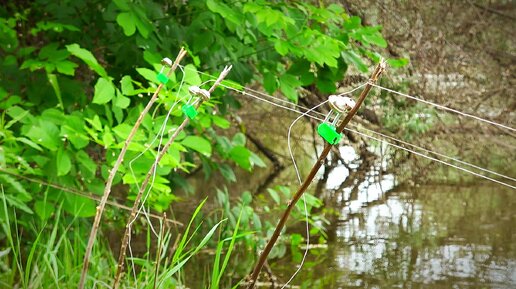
point(75, 76)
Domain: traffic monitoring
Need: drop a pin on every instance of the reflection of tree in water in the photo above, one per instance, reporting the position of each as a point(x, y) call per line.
point(419, 237)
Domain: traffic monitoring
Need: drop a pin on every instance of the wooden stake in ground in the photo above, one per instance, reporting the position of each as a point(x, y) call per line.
point(263, 257)
point(113, 171)
point(143, 188)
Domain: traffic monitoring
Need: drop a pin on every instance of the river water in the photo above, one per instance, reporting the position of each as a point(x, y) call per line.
point(397, 236)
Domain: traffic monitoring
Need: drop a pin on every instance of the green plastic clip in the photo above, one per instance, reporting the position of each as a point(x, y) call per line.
point(329, 133)
point(162, 78)
point(189, 111)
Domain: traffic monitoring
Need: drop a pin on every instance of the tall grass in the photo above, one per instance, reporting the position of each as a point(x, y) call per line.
point(53, 258)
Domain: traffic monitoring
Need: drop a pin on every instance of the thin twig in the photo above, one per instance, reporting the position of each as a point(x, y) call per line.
point(263, 257)
point(113, 171)
point(143, 188)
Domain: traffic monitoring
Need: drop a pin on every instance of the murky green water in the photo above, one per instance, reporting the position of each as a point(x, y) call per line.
point(388, 235)
point(432, 236)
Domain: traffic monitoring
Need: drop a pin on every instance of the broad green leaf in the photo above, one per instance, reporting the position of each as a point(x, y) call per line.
point(224, 10)
point(45, 133)
point(104, 91)
point(84, 159)
point(256, 160)
point(125, 19)
point(43, 209)
point(220, 121)
point(66, 67)
point(288, 85)
point(148, 74)
point(227, 172)
point(88, 58)
point(281, 47)
point(376, 39)
point(191, 75)
point(351, 57)
point(197, 143)
point(270, 82)
point(241, 155)
point(79, 206)
point(122, 101)
point(275, 196)
point(400, 62)
point(127, 85)
point(63, 162)
point(238, 139)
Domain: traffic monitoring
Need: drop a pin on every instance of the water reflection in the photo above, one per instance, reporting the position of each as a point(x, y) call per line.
point(428, 236)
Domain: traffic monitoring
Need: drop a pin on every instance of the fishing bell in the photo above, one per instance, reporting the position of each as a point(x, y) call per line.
point(166, 62)
point(338, 106)
point(189, 108)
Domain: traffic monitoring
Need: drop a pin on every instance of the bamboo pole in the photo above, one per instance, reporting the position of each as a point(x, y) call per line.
point(113, 171)
point(263, 257)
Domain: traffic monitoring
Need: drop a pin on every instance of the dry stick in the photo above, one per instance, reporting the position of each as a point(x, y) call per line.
point(132, 216)
point(263, 257)
point(113, 171)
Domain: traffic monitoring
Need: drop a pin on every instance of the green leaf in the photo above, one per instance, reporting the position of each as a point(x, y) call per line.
point(275, 196)
point(63, 162)
point(125, 19)
point(220, 121)
point(351, 57)
point(281, 47)
point(256, 160)
point(198, 144)
point(79, 206)
point(88, 58)
point(270, 82)
point(43, 209)
point(375, 39)
point(241, 155)
point(84, 160)
point(122, 101)
point(191, 75)
point(104, 91)
point(148, 74)
point(238, 139)
point(127, 85)
point(288, 85)
point(224, 10)
point(66, 67)
point(400, 62)
point(227, 172)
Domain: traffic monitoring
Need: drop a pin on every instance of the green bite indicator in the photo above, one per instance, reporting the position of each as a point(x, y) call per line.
point(329, 133)
point(189, 111)
point(339, 105)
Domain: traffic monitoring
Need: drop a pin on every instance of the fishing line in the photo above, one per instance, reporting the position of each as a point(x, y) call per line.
point(415, 146)
point(304, 196)
point(444, 107)
point(433, 159)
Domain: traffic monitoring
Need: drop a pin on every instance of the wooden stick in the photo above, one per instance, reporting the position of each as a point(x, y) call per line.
point(132, 216)
point(263, 257)
point(113, 171)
